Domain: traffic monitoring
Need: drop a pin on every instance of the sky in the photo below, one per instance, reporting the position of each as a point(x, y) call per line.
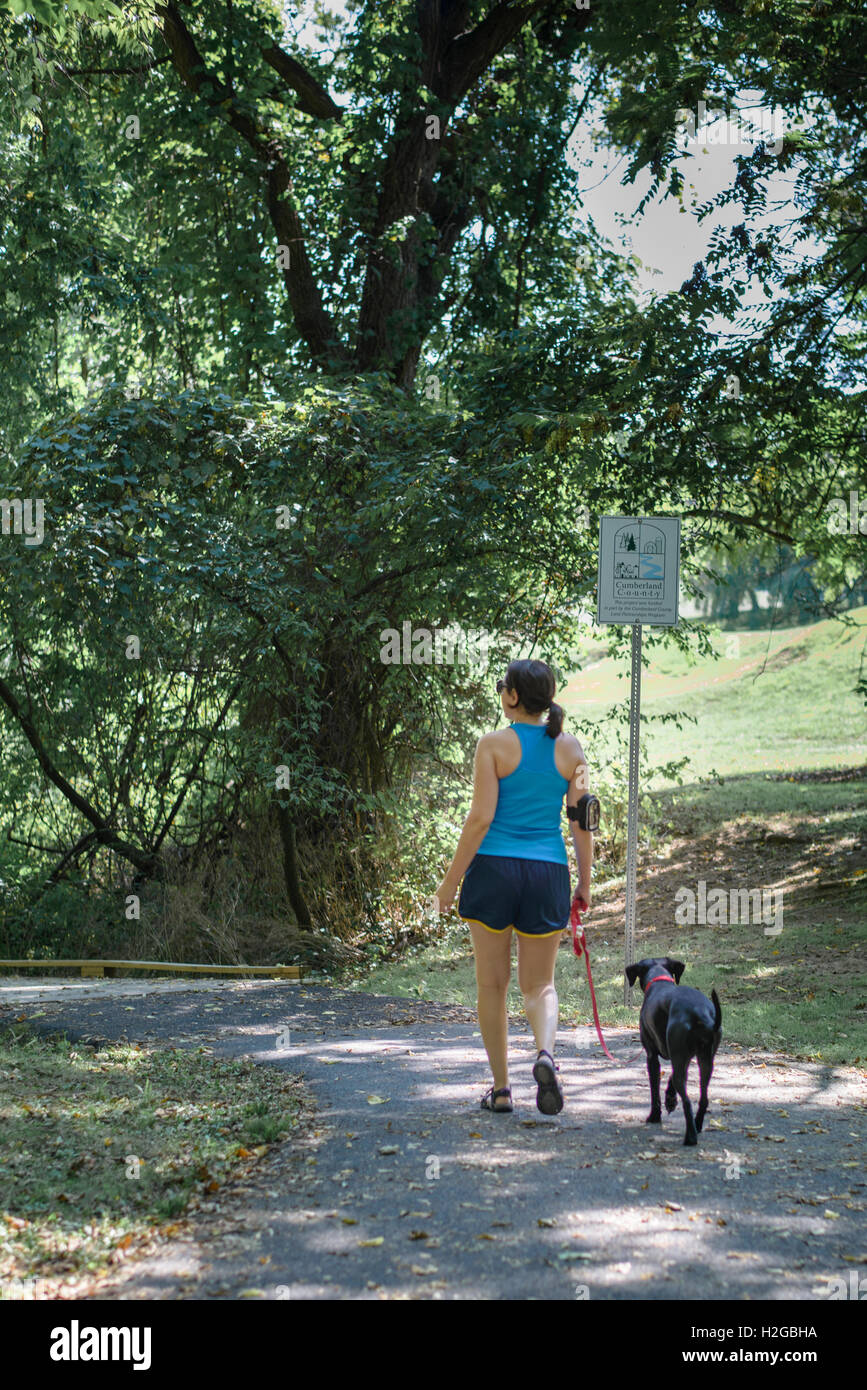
point(669, 238)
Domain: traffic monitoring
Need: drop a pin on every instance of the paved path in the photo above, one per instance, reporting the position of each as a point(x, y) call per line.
point(399, 1186)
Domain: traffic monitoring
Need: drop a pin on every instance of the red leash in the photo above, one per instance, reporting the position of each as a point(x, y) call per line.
point(579, 947)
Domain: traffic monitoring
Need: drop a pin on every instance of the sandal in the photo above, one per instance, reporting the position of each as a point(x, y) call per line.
point(491, 1096)
point(549, 1096)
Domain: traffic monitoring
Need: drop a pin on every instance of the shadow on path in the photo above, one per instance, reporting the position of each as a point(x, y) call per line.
point(400, 1186)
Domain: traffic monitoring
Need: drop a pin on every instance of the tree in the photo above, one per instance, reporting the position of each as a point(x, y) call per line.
point(200, 196)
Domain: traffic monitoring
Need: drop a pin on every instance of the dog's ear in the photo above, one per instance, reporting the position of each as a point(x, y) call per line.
point(632, 973)
point(676, 968)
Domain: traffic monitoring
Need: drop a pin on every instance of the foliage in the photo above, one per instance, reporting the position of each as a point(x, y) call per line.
point(296, 350)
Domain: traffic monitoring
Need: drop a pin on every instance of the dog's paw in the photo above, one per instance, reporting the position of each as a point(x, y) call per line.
point(671, 1102)
point(691, 1140)
point(654, 1118)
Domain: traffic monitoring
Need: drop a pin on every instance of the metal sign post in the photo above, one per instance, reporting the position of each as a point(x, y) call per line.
point(632, 819)
point(638, 582)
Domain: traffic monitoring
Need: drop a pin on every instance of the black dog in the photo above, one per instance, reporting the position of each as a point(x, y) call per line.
point(678, 1024)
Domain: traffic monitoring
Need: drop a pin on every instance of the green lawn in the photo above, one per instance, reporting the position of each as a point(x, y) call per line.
point(778, 701)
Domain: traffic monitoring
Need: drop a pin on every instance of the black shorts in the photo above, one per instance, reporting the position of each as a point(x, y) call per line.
point(530, 895)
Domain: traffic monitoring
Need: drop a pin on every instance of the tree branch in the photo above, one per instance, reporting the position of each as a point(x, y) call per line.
point(468, 55)
point(104, 832)
point(313, 99)
point(197, 762)
point(313, 323)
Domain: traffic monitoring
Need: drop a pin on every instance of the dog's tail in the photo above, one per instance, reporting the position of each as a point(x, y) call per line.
point(717, 1010)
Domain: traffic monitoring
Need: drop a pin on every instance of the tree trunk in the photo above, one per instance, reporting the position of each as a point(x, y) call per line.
point(290, 868)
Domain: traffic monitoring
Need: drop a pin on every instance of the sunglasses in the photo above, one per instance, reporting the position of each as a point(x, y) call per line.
point(503, 685)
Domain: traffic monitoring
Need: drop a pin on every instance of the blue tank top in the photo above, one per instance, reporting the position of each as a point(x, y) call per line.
point(526, 823)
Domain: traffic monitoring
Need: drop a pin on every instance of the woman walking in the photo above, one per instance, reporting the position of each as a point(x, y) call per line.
point(515, 870)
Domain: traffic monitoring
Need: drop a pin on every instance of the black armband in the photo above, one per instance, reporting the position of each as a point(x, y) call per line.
point(586, 812)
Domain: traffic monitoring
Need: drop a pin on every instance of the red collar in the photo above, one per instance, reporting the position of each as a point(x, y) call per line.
point(659, 977)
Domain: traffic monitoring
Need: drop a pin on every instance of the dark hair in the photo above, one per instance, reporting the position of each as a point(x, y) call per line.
point(533, 683)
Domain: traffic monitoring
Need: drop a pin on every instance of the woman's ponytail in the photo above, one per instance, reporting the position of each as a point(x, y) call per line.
point(533, 683)
point(554, 725)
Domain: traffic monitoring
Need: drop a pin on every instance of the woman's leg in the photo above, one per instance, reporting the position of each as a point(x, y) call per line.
point(537, 957)
point(493, 953)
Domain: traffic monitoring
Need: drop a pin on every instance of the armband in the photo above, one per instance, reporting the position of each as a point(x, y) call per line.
point(586, 812)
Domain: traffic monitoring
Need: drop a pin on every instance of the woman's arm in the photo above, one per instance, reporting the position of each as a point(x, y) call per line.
point(481, 813)
point(581, 839)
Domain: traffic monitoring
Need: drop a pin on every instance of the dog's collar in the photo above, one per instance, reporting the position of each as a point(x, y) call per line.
point(670, 978)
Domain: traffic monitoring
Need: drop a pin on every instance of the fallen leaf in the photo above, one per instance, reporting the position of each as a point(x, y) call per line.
point(376, 1240)
point(376, 1100)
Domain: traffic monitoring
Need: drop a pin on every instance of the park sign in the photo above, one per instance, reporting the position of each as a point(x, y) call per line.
point(638, 582)
point(639, 570)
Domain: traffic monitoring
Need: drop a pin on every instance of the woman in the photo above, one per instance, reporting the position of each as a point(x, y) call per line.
point(515, 871)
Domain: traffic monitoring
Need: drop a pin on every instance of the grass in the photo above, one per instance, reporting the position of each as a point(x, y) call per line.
point(773, 701)
point(802, 992)
point(105, 1151)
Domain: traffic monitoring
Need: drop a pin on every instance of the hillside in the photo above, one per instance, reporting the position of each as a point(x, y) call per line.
point(773, 701)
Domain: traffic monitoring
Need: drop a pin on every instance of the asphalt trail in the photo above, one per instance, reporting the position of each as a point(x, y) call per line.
point(399, 1186)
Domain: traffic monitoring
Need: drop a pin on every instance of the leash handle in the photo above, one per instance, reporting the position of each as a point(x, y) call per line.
point(579, 941)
